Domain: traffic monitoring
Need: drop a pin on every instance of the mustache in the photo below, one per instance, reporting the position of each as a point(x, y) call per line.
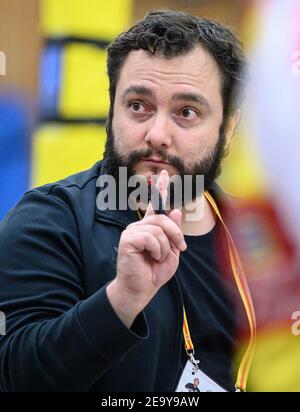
point(130, 158)
point(138, 155)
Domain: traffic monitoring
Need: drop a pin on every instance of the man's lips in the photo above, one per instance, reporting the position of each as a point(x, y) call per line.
point(153, 160)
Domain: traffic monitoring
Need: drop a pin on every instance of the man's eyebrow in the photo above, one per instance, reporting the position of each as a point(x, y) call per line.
point(192, 97)
point(139, 90)
point(187, 97)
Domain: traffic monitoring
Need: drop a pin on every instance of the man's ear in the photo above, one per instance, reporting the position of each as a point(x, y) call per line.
point(233, 121)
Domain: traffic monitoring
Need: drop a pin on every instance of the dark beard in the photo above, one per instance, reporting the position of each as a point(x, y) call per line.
point(210, 167)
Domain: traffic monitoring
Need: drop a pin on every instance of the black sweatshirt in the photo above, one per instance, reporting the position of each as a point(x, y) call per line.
point(57, 254)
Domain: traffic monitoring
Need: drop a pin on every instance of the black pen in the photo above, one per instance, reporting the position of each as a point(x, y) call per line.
point(155, 198)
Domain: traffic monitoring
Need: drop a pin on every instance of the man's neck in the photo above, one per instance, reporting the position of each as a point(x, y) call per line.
point(198, 217)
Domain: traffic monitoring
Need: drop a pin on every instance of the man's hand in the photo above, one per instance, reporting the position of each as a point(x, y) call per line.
point(148, 256)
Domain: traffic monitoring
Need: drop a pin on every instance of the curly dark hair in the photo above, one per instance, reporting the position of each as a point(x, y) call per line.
point(172, 33)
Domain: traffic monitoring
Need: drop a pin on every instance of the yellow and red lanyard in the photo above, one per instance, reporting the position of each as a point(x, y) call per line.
point(241, 282)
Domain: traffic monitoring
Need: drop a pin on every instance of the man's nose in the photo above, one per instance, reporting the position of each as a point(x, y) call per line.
point(159, 133)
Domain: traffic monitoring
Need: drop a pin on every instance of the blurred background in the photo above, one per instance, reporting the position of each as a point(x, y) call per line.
point(53, 108)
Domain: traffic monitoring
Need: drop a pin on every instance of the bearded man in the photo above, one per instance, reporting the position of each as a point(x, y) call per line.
point(99, 300)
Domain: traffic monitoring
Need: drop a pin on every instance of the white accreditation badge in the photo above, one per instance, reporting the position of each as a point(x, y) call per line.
point(194, 380)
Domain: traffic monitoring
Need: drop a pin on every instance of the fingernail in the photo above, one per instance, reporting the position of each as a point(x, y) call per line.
point(183, 245)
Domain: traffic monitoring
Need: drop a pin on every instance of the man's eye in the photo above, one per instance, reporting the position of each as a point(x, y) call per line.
point(137, 107)
point(188, 113)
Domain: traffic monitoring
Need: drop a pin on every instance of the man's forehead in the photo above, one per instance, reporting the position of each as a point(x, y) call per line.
point(195, 68)
point(141, 59)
